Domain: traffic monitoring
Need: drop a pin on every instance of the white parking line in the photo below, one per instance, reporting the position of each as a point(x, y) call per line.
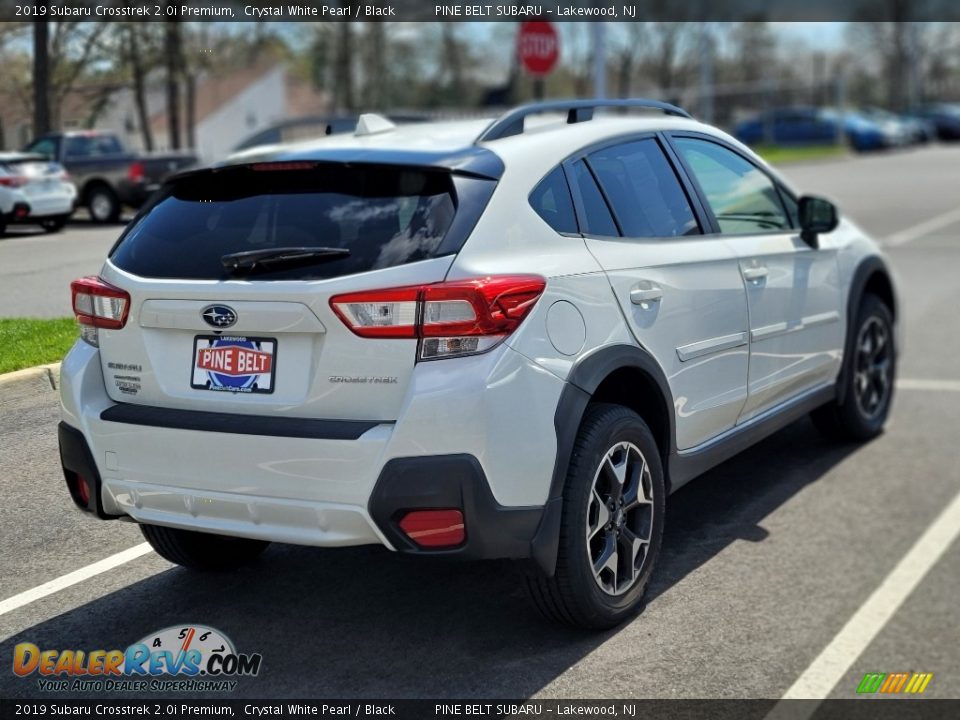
point(934, 385)
point(835, 660)
point(72, 578)
point(925, 228)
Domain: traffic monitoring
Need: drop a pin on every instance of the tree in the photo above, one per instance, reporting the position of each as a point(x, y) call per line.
point(755, 50)
point(41, 78)
point(134, 48)
point(173, 50)
point(343, 78)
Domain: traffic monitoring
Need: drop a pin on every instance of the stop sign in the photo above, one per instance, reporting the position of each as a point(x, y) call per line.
point(538, 47)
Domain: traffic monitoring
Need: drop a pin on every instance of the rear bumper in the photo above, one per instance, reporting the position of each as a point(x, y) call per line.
point(36, 210)
point(320, 482)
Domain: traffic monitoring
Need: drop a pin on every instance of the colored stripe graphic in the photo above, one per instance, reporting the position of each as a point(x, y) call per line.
point(893, 683)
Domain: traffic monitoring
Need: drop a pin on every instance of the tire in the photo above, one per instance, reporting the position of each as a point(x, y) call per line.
point(52, 225)
point(610, 436)
point(202, 551)
point(870, 371)
point(103, 204)
point(3, 227)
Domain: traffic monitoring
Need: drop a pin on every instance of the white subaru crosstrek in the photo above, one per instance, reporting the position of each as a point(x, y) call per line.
point(478, 340)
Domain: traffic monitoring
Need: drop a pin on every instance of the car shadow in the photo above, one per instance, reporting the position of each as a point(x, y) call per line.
point(364, 622)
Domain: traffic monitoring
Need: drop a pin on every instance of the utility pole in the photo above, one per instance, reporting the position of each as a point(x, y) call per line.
point(599, 33)
point(41, 78)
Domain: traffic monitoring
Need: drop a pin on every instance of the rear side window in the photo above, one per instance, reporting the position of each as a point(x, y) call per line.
point(643, 190)
point(551, 200)
point(385, 216)
point(596, 214)
point(742, 197)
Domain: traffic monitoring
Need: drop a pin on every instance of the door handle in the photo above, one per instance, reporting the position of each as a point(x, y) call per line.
point(640, 295)
point(755, 274)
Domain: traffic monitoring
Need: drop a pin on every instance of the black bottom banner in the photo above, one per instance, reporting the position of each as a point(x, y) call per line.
point(867, 709)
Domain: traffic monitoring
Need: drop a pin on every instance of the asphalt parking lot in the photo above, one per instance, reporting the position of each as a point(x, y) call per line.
point(767, 560)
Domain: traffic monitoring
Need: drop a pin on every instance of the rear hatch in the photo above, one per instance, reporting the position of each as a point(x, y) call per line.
point(230, 272)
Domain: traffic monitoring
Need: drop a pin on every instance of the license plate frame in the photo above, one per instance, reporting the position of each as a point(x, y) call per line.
point(250, 354)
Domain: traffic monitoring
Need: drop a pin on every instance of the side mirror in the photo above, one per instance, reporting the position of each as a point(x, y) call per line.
point(816, 216)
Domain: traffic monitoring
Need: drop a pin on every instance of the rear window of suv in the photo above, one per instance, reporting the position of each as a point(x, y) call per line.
point(384, 215)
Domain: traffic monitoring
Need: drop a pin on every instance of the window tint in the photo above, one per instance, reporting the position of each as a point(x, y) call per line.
point(743, 199)
point(551, 201)
point(385, 216)
point(597, 218)
point(643, 190)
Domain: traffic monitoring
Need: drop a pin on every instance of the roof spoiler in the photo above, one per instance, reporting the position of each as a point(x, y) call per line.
point(512, 122)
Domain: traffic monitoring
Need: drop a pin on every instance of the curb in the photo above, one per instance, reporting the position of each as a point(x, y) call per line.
point(39, 379)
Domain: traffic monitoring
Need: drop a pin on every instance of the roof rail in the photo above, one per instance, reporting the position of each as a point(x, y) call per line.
point(511, 123)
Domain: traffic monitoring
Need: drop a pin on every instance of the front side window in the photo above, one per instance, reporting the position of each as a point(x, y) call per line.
point(742, 197)
point(643, 190)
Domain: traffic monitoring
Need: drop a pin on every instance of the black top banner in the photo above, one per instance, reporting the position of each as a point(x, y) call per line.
point(482, 11)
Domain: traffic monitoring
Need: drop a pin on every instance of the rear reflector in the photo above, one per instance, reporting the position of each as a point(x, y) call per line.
point(83, 490)
point(98, 304)
point(460, 317)
point(434, 528)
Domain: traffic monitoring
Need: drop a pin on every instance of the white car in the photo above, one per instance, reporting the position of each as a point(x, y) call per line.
point(506, 340)
point(34, 191)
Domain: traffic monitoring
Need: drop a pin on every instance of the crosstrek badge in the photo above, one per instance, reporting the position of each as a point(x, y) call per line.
point(234, 363)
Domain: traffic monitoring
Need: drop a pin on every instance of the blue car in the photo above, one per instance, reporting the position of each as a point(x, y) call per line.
point(944, 117)
point(815, 126)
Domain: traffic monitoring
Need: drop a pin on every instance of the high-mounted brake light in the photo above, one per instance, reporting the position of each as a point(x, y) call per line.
point(98, 304)
point(277, 166)
point(460, 317)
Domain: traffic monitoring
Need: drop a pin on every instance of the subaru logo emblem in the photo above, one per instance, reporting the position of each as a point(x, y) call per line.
point(219, 316)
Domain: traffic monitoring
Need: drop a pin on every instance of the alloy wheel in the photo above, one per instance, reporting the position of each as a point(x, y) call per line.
point(872, 367)
point(619, 518)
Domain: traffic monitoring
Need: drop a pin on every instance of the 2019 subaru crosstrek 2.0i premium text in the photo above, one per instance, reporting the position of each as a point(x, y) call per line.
point(482, 340)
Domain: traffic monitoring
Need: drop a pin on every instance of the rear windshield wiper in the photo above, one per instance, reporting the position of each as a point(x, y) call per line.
point(253, 260)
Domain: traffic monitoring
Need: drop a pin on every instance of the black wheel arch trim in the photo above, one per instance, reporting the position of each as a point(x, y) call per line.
point(584, 379)
point(868, 268)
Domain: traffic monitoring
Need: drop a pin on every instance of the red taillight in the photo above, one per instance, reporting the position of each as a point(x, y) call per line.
point(99, 304)
point(460, 317)
point(135, 173)
point(434, 528)
point(13, 181)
